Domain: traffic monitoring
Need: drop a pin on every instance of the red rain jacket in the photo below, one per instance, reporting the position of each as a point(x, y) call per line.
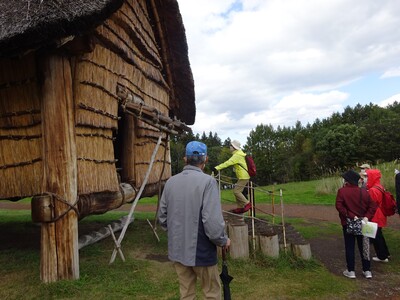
point(374, 179)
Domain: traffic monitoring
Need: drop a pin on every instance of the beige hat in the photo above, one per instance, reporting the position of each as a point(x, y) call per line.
point(365, 166)
point(235, 144)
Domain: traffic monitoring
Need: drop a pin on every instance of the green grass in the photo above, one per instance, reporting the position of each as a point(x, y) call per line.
point(142, 278)
point(315, 192)
point(139, 278)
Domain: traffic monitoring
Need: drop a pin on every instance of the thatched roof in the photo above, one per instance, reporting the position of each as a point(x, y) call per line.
point(33, 24)
point(29, 24)
point(169, 13)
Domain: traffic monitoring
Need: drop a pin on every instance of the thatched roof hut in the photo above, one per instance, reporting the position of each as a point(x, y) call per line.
point(28, 25)
point(86, 89)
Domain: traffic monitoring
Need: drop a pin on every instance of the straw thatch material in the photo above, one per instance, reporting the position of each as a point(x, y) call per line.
point(27, 25)
point(176, 46)
point(96, 161)
point(125, 58)
point(20, 130)
point(137, 44)
point(30, 24)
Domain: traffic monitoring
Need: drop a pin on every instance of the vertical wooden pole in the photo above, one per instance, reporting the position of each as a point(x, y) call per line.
point(59, 240)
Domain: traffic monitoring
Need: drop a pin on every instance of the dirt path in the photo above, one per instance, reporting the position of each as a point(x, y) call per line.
point(313, 212)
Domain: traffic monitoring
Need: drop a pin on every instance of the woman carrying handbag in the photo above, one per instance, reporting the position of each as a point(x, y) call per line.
point(354, 204)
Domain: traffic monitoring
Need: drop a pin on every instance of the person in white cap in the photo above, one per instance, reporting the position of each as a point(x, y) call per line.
point(363, 175)
point(238, 161)
point(365, 167)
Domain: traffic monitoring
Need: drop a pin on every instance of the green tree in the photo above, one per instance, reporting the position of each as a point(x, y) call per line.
point(337, 147)
point(261, 141)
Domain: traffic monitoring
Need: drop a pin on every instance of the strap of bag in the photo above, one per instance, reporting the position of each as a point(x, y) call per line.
point(244, 167)
point(379, 188)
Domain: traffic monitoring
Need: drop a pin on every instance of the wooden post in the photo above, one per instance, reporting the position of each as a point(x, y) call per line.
point(239, 236)
point(59, 240)
point(302, 250)
point(269, 245)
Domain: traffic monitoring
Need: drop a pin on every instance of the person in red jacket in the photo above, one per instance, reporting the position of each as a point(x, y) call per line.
point(373, 185)
point(354, 202)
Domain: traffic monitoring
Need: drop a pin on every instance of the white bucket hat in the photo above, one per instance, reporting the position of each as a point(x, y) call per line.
point(235, 144)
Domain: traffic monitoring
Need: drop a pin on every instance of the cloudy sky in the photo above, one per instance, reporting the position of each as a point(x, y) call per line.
point(278, 61)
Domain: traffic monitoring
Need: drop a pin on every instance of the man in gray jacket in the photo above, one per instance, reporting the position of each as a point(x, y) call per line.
point(190, 210)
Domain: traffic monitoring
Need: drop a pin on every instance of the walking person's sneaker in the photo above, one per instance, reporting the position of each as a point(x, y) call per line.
point(367, 274)
point(247, 207)
point(349, 274)
point(380, 260)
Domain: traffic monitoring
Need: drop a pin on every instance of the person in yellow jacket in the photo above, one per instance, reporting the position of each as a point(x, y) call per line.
point(238, 161)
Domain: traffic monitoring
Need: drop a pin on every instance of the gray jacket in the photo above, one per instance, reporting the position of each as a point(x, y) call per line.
point(190, 210)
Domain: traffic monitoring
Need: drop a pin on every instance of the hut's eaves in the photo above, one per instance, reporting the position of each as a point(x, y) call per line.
point(182, 76)
point(32, 24)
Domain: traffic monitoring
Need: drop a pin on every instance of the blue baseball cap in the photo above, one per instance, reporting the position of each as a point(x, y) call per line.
point(196, 148)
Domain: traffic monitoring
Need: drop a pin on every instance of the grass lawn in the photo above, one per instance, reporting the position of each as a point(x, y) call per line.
point(142, 277)
point(147, 274)
point(314, 192)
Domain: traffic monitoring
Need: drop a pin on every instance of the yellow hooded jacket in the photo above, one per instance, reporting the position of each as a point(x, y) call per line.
point(238, 161)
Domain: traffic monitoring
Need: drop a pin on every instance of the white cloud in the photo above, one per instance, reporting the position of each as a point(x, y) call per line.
point(390, 100)
point(304, 107)
point(392, 72)
point(276, 62)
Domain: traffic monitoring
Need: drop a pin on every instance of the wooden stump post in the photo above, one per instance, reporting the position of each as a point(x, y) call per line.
point(59, 255)
point(239, 236)
point(303, 251)
point(269, 245)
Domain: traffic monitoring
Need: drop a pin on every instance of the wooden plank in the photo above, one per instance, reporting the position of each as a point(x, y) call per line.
point(59, 239)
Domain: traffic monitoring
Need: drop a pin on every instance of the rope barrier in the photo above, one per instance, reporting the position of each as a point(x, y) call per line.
point(60, 199)
point(249, 217)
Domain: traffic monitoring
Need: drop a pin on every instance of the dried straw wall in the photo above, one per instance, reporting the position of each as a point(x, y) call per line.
point(126, 54)
point(20, 131)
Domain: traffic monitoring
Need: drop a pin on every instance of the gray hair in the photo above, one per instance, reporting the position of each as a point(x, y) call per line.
point(195, 160)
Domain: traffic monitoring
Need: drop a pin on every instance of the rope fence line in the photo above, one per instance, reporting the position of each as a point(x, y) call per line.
point(223, 179)
point(251, 217)
point(256, 188)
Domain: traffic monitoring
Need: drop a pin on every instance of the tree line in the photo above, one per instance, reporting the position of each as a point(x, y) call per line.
point(360, 134)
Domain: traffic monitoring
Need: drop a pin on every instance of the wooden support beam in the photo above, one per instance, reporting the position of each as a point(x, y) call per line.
point(59, 256)
point(99, 203)
point(135, 106)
